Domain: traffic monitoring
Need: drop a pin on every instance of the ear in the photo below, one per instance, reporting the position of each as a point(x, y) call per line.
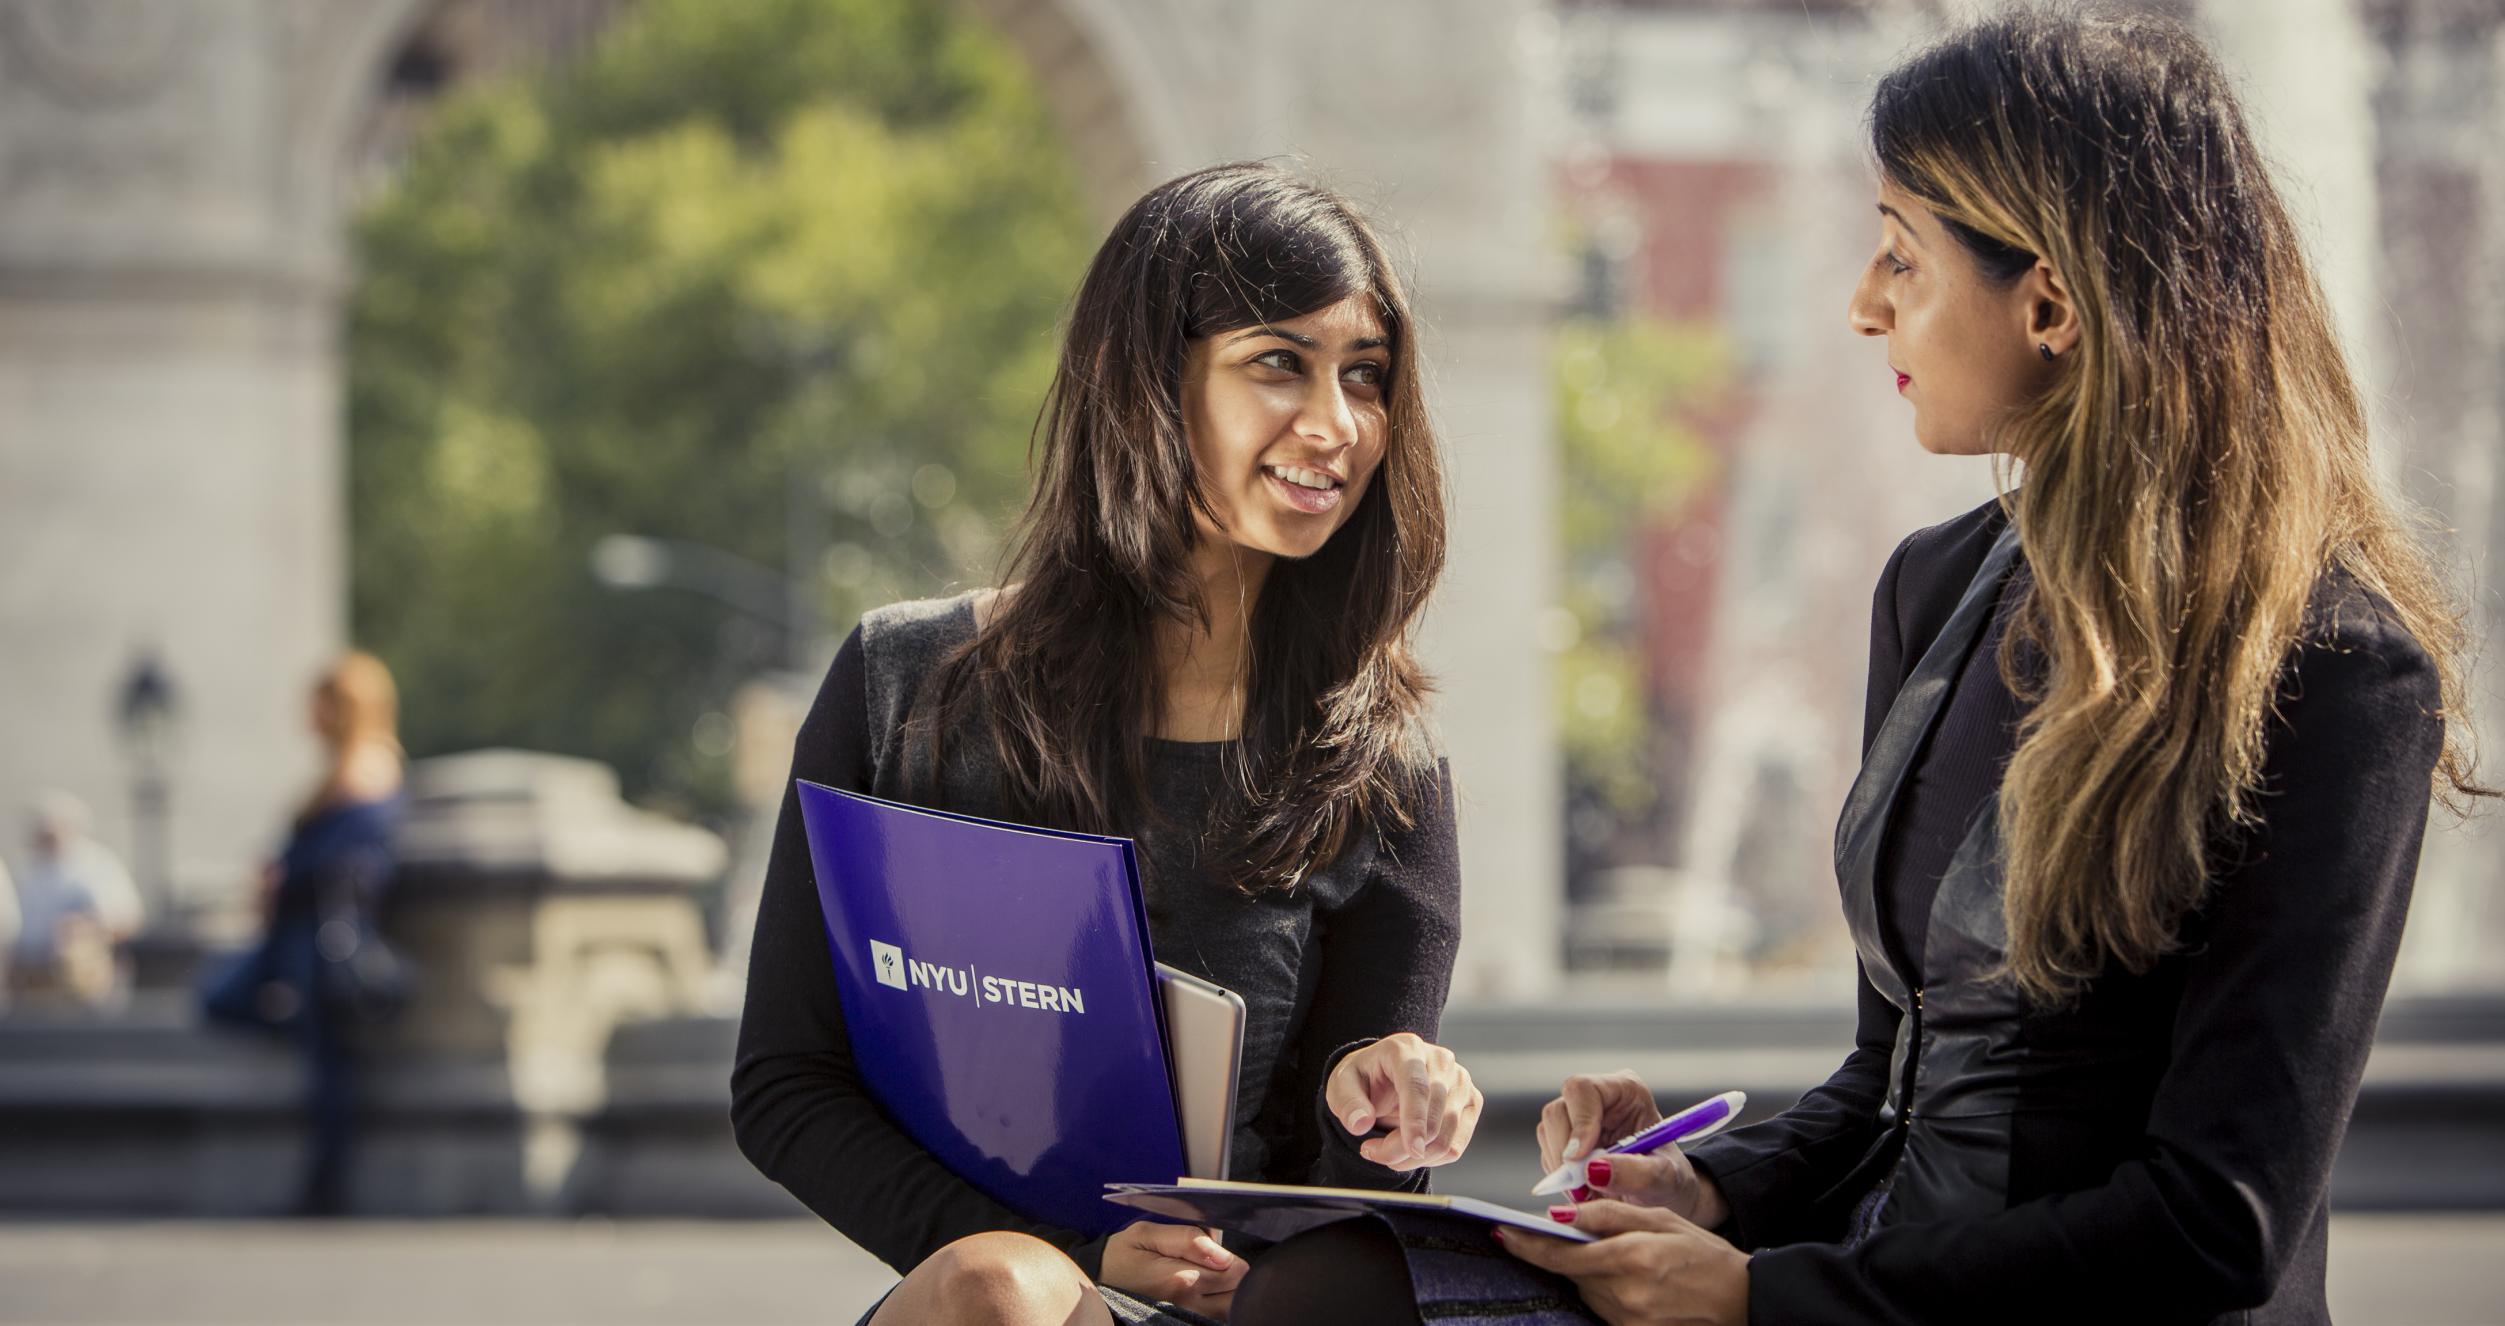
point(2050, 318)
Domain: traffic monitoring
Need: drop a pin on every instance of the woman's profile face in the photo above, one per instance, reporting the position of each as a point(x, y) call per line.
point(1287, 424)
point(1958, 346)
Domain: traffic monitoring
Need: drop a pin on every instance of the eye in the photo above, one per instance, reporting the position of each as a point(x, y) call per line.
point(1285, 361)
point(1895, 266)
point(1368, 375)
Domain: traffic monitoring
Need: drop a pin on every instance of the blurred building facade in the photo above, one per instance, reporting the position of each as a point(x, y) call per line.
point(171, 262)
point(1712, 154)
point(2435, 328)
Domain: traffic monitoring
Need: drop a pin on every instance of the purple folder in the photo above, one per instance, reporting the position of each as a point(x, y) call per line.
point(997, 986)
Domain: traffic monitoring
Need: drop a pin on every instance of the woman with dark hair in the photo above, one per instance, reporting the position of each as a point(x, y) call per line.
point(1203, 642)
point(2151, 742)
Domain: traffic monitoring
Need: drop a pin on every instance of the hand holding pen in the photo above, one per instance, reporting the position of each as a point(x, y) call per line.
point(1645, 1167)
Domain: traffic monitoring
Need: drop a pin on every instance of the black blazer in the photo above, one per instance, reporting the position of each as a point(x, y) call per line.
point(2161, 1149)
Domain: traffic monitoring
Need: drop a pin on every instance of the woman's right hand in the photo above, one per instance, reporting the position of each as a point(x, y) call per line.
point(1179, 1264)
point(1592, 1110)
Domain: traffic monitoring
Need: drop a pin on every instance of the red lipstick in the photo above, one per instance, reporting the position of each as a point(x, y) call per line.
point(1901, 380)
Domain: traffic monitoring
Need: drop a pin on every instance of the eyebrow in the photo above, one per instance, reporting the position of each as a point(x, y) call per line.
point(1361, 343)
point(1910, 233)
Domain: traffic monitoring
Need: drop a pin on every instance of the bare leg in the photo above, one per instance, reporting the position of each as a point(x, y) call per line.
point(997, 1279)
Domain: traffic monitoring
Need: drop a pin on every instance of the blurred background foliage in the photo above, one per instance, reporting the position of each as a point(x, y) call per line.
point(795, 256)
point(1628, 462)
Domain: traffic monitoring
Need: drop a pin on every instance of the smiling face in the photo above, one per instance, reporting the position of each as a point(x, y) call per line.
point(1287, 424)
point(1961, 347)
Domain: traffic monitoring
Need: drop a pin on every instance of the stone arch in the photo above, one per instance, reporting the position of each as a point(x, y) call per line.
point(1095, 63)
point(1094, 76)
point(172, 255)
point(344, 52)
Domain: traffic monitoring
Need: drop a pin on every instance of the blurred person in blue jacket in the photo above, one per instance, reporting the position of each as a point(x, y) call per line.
point(320, 970)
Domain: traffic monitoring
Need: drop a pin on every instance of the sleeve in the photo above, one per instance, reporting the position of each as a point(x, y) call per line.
point(1772, 1174)
point(2277, 1013)
point(798, 1109)
point(1386, 966)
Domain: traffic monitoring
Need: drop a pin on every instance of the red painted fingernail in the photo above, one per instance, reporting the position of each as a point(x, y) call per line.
point(1581, 1194)
point(1498, 1234)
point(1598, 1173)
point(1563, 1215)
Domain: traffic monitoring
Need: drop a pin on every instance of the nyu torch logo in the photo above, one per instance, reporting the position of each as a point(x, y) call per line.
point(889, 962)
point(894, 970)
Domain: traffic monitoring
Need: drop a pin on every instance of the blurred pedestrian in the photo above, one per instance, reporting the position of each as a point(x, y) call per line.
point(320, 971)
point(75, 909)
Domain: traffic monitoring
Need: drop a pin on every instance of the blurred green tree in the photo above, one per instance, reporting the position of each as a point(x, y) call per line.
point(1628, 459)
point(742, 272)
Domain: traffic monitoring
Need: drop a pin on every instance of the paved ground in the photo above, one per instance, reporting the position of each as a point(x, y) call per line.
point(2386, 1271)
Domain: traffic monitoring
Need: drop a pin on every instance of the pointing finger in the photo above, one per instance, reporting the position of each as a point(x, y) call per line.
point(1348, 1099)
point(1410, 1081)
point(1465, 1124)
point(1438, 1105)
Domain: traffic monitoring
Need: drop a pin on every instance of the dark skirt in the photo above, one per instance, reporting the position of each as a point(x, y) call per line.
point(1397, 1267)
point(1448, 1267)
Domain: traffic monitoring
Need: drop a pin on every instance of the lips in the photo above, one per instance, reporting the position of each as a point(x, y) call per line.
point(1901, 380)
point(1298, 497)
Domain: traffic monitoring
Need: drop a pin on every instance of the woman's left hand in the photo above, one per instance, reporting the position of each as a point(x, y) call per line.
point(1415, 1087)
point(1649, 1266)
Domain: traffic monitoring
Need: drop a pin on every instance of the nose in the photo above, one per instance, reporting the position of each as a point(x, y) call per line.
point(1326, 418)
point(1869, 312)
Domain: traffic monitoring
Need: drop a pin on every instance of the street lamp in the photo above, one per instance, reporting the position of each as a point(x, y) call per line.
point(635, 561)
point(146, 716)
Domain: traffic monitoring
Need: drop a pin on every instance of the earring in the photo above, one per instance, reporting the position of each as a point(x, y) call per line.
point(2045, 350)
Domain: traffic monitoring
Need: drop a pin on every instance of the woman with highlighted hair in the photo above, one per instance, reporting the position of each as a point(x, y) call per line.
point(2150, 746)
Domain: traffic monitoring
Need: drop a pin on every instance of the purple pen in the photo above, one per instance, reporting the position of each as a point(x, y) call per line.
point(1696, 1121)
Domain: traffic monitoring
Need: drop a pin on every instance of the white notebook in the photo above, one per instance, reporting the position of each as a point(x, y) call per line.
point(1276, 1211)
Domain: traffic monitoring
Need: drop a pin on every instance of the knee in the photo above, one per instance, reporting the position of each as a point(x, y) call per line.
point(1001, 1278)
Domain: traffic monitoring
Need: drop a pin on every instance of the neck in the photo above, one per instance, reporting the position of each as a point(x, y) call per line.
point(1203, 665)
point(359, 768)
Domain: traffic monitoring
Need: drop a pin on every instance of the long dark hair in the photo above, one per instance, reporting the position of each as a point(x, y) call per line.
point(2198, 465)
point(1065, 670)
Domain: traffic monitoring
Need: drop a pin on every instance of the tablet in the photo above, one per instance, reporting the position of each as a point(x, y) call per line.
point(1205, 1049)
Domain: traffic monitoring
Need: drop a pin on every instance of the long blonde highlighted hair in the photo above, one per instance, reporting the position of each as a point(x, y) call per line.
point(2199, 465)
